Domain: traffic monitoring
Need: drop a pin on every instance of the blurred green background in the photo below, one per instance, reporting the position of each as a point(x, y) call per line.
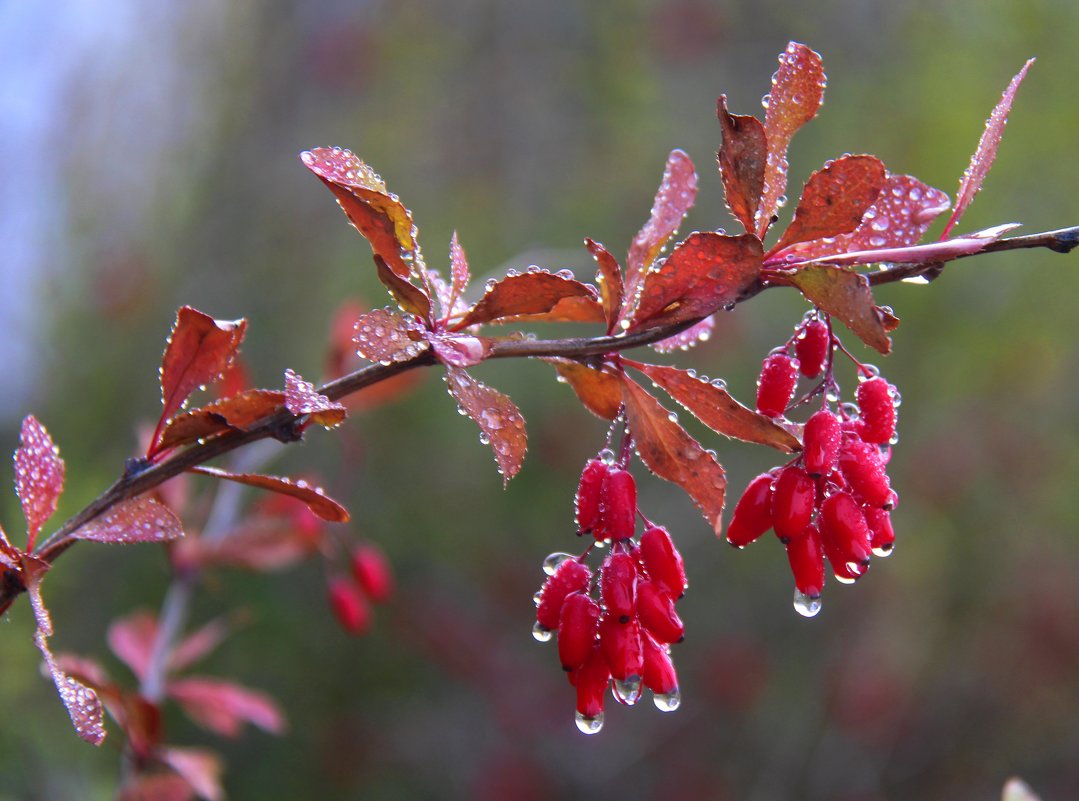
point(151, 161)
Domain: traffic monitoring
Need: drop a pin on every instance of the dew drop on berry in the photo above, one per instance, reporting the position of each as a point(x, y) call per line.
point(627, 691)
point(541, 633)
point(805, 605)
point(667, 702)
point(607, 456)
point(884, 550)
point(552, 562)
point(589, 724)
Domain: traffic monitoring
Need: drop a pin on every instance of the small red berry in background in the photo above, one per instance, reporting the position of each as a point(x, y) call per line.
point(372, 572)
point(351, 609)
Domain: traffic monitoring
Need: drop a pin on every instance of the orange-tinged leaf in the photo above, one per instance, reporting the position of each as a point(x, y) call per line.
point(536, 293)
point(986, 153)
point(376, 213)
point(609, 278)
point(315, 497)
point(845, 295)
point(140, 519)
point(713, 405)
point(500, 421)
point(704, 273)
point(386, 336)
point(39, 476)
point(675, 197)
point(742, 158)
point(224, 707)
point(239, 411)
point(301, 397)
point(834, 199)
point(409, 297)
point(599, 390)
point(672, 454)
point(796, 95)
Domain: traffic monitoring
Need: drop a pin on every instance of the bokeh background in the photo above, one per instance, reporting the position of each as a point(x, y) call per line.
point(150, 161)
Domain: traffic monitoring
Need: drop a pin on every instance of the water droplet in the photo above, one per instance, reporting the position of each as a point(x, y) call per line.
point(884, 550)
point(673, 417)
point(552, 562)
point(607, 456)
point(307, 157)
point(719, 383)
point(540, 633)
point(627, 691)
point(806, 605)
point(589, 725)
point(832, 396)
point(867, 372)
point(668, 702)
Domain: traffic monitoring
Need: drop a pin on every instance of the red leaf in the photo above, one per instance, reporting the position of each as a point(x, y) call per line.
point(742, 159)
point(713, 405)
point(378, 215)
point(316, 499)
point(500, 421)
point(156, 787)
point(199, 350)
point(459, 275)
point(834, 199)
point(224, 707)
point(302, 398)
point(609, 278)
point(797, 91)
point(898, 218)
point(140, 519)
point(684, 340)
point(39, 476)
point(239, 411)
point(704, 273)
point(234, 380)
point(983, 157)
point(131, 638)
point(847, 296)
point(262, 545)
point(409, 297)
point(535, 294)
point(672, 454)
point(599, 390)
point(199, 767)
point(674, 198)
point(460, 350)
point(385, 336)
point(198, 644)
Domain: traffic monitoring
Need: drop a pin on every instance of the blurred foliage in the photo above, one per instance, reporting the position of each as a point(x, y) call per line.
point(172, 178)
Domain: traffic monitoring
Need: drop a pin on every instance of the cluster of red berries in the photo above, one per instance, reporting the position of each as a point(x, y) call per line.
point(833, 501)
point(368, 582)
point(614, 628)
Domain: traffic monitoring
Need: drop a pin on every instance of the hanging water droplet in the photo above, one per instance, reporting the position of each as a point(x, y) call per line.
point(627, 691)
point(668, 702)
point(719, 383)
point(552, 562)
point(867, 372)
point(673, 417)
point(607, 456)
point(806, 605)
point(540, 633)
point(884, 550)
point(832, 395)
point(589, 725)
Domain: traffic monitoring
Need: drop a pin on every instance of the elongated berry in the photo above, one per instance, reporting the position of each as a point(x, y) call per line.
point(655, 610)
point(845, 572)
point(570, 576)
point(753, 512)
point(619, 584)
point(820, 442)
point(577, 629)
point(881, 533)
point(794, 498)
point(775, 387)
point(372, 571)
point(811, 348)
point(861, 465)
point(621, 644)
point(659, 673)
point(591, 680)
point(351, 609)
point(618, 509)
point(589, 496)
point(663, 562)
point(876, 404)
point(806, 557)
point(843, 525)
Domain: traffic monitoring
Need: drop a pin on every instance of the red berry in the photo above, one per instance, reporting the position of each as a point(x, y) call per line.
point(659, 674)
point(843, 526)
point(589, 495)
point(655, 610)
point(619, 584)
point(663, 562)
point(618, 509)
point(621, 644)
point(753, 512)
point(775, 388)
point(806, 557)
point(876, 404)
point(794, 498)
point(577, 630)
point(372, 571)
point(861, 465)
point(591, 681)
point(845, 571)
point(811, 347)
point(820, 442)
point(349, 606)
point(570, 576)
point(882, 535)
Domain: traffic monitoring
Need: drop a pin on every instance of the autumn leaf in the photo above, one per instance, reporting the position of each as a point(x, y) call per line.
point(314, 497)
point(684, 340)
point(386, 336)
point(672, 454)
point(501, 424)
point(609, 278)
point(302, 398)
point(140, 519)
point(409, 297)
point(742, 157)
point(239, 411)
point(224, 707)
point(713, 405)
point(536, 294)
point(459, 272)
point(704, 273)
point(39, 477)
point(132, 638)
point(199, 767)
point(834, 199)
point(598, 390)
point(459, 350)
point(845, 295)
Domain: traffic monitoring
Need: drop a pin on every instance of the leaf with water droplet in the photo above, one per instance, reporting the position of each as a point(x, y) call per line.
point(986, 153)
point(684, 340)
point(702, 274)
point(834, 199)
point(599, 390)
point(497, 416)
point(609, 276)
point(674, 455)
point(538, 296)
point(846, 295)
point(224, 707)
point(384, 335)
point(742, 157)
point(459, 274)
point(460, 350)
point(301, 397)
point(377, 215)
point(714, 406)
point(314, 497)
point(39, 476)
point(409, 297)
point(137, 520)
point(239, 411)
point(797, 92)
